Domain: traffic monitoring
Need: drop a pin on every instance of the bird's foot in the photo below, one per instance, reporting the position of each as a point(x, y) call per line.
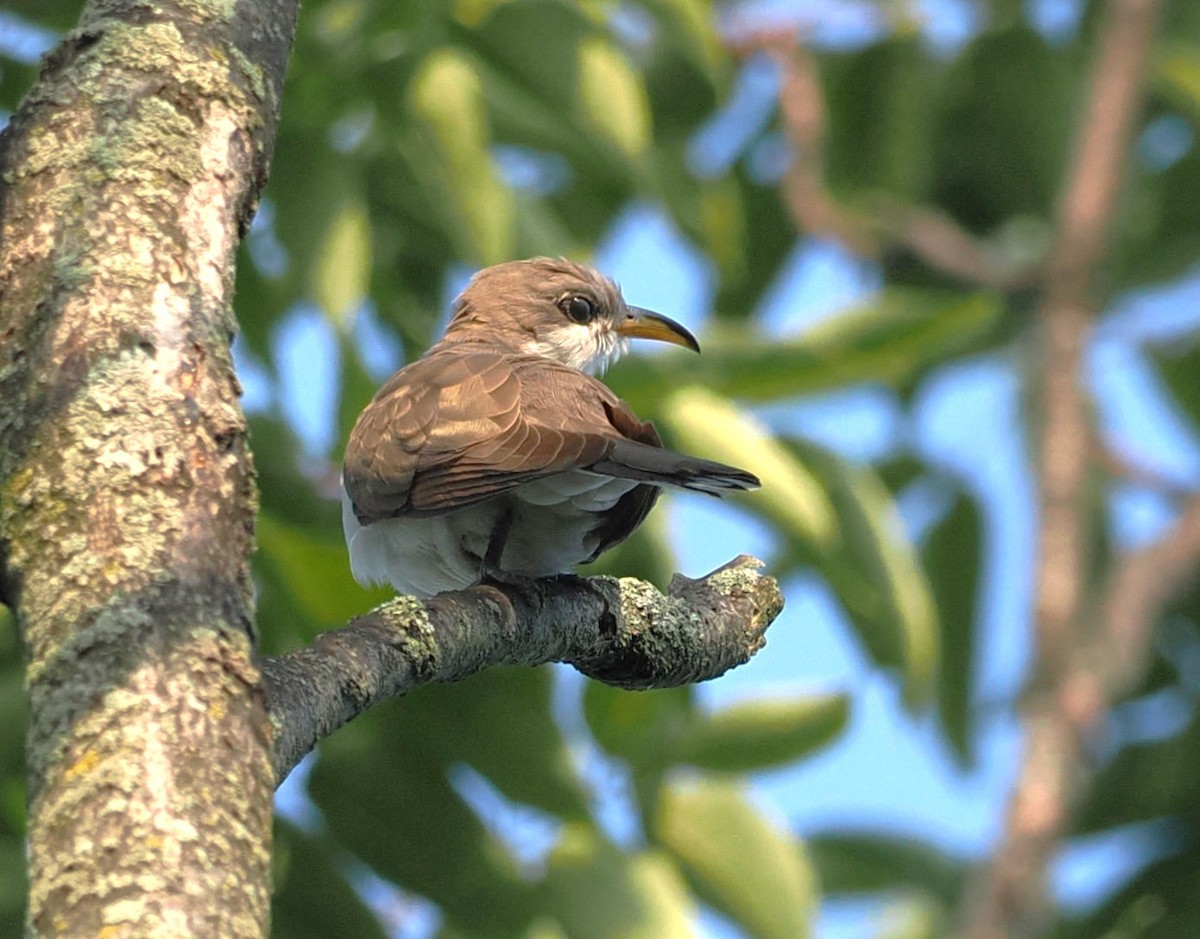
point(525, 587)
point(571, 580)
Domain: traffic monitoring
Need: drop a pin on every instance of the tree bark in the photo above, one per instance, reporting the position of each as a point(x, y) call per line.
point(126, 487)
point(622, 632)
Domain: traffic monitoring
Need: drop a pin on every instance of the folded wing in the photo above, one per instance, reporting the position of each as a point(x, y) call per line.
point(459, 427)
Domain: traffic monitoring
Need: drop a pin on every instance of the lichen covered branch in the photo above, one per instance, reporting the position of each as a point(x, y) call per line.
point(622, 632)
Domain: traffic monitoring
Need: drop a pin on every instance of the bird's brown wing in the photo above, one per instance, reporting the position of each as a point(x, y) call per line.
point(459, 426)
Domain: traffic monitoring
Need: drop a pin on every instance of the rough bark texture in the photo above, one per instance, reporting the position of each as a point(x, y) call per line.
point(622, 632)
point(126, 487)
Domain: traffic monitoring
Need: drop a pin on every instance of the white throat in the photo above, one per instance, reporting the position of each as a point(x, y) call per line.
point(591, 348)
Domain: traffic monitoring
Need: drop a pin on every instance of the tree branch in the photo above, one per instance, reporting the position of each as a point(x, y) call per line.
point(622, 632)
point(1120, 465)
point(1009, 899)
point(930, 234)
point(1138, 589)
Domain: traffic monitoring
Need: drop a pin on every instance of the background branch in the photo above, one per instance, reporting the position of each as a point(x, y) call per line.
point(1064, 697)
point(622, 632)
point(930, 234)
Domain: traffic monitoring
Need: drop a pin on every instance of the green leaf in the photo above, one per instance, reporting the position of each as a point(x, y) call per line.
point(537, 43)
point(879, 116)
point(646, 554)
point(688, 26)
point(875, 572)
point(723, 227)
point(755, 735)
point(498, 722)
point(316, 572)
point(13, 883)
point(1002, 136)
point(953, 558)
point(1178, 365)
point(641, 727)
point(312, 897)
point(447, 95)
point(531, 62)
point(1159, 231)
point(501, 723)
point(288, 493)
point(769, 241)
point(57, 15)
point(738, 861)
point(1177, 74)
point(888, 340)
point(598, 892)
point(711, 426)
point(1160, 901)
point(638, 726)
point(14, 700)
point(308, 195)
point(342, 275)
point(909, 917)
point(861, 862)
point(1145, 781)
point(612, 98)
point(384, 794)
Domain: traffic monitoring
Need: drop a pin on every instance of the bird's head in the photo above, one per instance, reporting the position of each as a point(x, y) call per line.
point(553, 307)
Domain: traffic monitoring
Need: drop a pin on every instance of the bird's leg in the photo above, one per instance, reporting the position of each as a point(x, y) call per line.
point(490, 571)
point(496, 541)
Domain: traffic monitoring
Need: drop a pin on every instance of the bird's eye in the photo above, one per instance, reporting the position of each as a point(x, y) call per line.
point(579, 309)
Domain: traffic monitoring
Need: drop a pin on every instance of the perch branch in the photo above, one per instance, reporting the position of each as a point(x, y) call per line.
point(622, 632)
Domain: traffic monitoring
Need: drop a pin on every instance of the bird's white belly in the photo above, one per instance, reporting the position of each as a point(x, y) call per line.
point(417, 556)
point(550, 532)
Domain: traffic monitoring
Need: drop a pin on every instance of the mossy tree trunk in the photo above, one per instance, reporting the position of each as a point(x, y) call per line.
point(127, 492)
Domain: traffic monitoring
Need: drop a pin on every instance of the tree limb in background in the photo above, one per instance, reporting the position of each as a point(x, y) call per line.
point(1138, 589)
point(928, 233)
point(622, 632)
point(1065, 696)
point(1119, 465)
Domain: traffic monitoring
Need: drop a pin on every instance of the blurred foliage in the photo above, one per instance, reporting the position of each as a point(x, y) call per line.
point(423, 139)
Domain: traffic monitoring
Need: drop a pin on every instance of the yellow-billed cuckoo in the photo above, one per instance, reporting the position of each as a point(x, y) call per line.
point(497, 453)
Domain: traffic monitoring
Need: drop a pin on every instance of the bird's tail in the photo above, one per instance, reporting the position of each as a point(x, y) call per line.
point(628, 459)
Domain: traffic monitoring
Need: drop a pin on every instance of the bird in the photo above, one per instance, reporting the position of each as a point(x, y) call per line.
point(499, 455)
